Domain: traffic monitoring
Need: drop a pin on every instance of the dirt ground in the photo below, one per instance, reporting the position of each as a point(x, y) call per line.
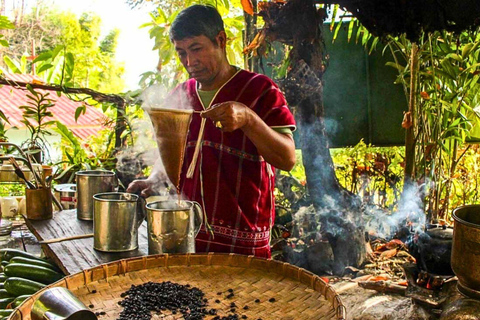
point(364, 304)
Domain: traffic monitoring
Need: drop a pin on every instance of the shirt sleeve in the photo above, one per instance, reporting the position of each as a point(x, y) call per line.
point(273, 108)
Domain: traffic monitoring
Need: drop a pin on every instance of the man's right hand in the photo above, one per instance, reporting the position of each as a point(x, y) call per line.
point(144, 188)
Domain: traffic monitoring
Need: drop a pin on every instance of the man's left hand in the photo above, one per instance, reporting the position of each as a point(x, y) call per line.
point(228, 116)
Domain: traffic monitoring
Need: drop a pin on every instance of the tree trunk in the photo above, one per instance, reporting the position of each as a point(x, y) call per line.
point(298, 23)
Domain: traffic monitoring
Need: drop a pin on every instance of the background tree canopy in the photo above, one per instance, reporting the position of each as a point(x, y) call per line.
point(44, 29)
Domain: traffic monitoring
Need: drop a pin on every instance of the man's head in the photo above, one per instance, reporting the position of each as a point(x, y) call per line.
point(200, 41)
point(197, 20)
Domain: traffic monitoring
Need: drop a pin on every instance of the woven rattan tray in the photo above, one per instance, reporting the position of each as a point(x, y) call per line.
point(299, 294)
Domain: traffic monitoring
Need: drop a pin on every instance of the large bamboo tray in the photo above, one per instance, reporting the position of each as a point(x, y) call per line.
point(298, 293)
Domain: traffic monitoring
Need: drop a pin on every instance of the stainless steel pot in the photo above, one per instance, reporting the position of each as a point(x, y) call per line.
point(67, 195)
point(466, 249)
point(59, 303)
point(116, 221)
point(173, 226)
point(90, 182)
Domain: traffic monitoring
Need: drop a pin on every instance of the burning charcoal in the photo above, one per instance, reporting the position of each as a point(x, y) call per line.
point(422, 278)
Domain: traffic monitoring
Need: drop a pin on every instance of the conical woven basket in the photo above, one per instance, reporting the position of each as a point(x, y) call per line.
point(171, 130)
point(298, 294)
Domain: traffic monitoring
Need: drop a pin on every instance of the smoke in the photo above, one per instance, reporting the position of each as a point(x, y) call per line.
point(409, 215)
point(158, 96)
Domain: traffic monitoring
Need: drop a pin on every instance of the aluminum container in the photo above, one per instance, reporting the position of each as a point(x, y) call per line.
point(59, 303)
point(173, 226)
point(116, 221)
point(90, 182)
point(466, 249)
point(67, 195)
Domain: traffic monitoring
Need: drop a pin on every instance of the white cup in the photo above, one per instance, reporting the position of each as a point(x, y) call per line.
point(22, 207)
point(9, 206)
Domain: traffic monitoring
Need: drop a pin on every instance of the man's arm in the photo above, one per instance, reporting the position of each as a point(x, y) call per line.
point(276, 148)
point(157, 181)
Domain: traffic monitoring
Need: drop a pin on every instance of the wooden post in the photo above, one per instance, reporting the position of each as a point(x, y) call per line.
point(410, 130)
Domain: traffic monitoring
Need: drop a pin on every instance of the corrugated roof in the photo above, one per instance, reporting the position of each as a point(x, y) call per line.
point(12, 97)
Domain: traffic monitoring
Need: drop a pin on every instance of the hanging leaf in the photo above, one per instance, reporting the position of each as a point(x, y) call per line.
point(247, 6)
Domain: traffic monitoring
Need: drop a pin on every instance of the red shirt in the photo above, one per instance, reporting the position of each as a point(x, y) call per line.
point(232, 182)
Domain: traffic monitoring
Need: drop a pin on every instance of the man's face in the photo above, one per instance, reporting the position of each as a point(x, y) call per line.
point(201, 57)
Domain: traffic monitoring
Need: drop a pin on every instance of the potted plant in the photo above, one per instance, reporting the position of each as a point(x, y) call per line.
point(35, 117)
point(3, 130)
point(75, 156)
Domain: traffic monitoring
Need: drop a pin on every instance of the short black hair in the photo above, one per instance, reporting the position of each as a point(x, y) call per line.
point(195, 21)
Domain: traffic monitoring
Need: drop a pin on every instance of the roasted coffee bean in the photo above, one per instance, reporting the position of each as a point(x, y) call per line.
point(141, 300)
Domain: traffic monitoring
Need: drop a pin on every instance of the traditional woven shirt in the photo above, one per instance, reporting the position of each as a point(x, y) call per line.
point(232, 182)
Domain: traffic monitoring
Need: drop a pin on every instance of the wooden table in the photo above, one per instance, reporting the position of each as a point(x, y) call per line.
point(73, 256)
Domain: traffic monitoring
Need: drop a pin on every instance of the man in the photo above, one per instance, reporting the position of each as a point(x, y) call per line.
point(247, 131)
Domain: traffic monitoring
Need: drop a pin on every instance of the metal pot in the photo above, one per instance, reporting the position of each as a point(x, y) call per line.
point(466, 249)
point(173, 226)
point(434, 249)
point(116, 221)
point(90, 182)
point(67, 194)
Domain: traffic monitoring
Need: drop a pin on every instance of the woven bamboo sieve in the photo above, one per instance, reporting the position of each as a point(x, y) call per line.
point(298, 293)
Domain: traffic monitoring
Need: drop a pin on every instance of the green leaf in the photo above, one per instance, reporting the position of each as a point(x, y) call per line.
point(43, 57)
point(79, 111)
point(44, 67)
point(466, 50)
point(11, 64)
point(350, 29)
point(57, 50)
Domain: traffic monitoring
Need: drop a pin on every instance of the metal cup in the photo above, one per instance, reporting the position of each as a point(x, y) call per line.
point(173, 226)
point(59, 303)
point(116, 221)
point(90, 182)
point(38, 203)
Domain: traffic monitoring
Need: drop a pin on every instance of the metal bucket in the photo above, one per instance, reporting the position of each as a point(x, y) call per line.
point(67, 194)
point(173, 226)
point(59, 303)
point(116, 221)
point(91, 182)
point(466, 249)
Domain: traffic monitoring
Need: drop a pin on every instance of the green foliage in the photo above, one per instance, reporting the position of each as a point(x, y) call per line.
point(75, 155)
point(5, 24)
point(446, 116)
point(35, 116)
point(373, 173)
point(69, 50)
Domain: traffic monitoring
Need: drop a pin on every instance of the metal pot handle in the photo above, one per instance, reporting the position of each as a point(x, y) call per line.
point(141, 211)
point(197, 208)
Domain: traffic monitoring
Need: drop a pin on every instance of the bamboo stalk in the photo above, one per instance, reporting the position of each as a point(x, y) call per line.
point(410, 132)
point(55, 240)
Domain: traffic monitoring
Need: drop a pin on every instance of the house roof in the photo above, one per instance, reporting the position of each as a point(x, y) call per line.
point(12, 97)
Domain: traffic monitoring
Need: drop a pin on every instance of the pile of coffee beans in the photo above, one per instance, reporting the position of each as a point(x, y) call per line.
point(140, 301)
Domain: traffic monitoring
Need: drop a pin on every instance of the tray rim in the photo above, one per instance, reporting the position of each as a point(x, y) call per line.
point(123, 266)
